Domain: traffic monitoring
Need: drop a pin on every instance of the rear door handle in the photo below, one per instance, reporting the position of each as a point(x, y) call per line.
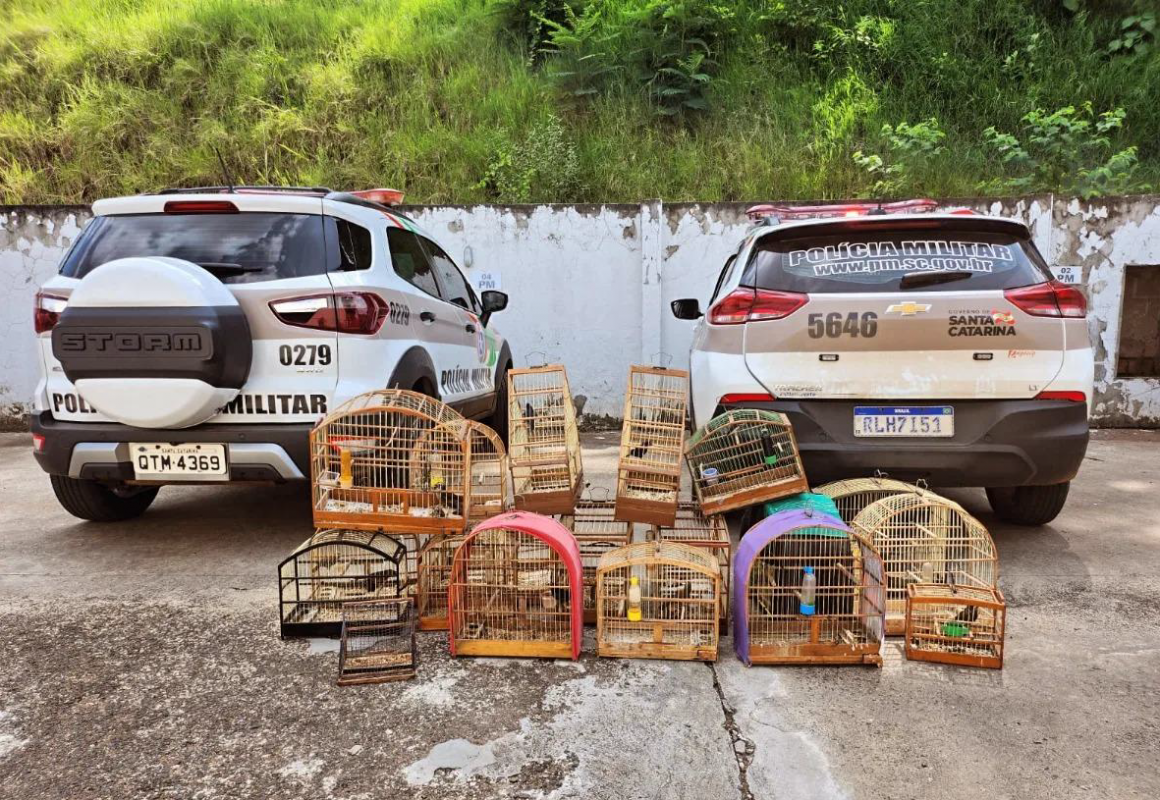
point(470, 328)
point(427, 316)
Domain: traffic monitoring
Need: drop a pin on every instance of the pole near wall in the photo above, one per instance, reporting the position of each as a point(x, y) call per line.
point(651, 225)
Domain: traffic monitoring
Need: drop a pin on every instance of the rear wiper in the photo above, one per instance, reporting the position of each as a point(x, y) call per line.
point(919, 279)
point(228, 267)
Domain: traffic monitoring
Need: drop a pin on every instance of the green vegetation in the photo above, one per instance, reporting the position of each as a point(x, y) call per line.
point(580, 100)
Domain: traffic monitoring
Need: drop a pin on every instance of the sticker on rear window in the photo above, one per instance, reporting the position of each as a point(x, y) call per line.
point(908, 255)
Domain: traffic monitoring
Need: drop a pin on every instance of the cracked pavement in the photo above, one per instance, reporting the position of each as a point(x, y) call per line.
point(142, 659)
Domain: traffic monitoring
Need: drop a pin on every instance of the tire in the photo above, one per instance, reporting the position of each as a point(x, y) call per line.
point(96, 502)
point(1028, 505)
point(499, 419)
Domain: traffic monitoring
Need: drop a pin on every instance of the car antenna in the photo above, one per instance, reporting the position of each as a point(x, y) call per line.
point(225, 171)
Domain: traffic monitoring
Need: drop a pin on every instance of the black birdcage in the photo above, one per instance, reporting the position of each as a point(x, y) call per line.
point(378, 642)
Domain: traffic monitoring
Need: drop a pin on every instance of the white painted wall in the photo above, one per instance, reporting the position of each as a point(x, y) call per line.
point(590, 285)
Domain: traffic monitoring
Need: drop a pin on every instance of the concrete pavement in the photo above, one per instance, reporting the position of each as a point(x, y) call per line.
point(142, 660)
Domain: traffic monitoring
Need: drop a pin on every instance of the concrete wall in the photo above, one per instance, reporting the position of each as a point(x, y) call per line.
point(590, 285)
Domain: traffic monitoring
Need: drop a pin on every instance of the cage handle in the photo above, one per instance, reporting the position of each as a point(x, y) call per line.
point(536, 363)
point(922, 484)
point(662, 359)
point(591, 491)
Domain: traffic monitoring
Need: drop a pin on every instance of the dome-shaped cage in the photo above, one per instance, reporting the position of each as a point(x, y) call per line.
point(393, 459)
point(773, 620)
point(516, 590)
point(544, 443)
point(711, 533)
point(743, 457)
point(652, 439)
point(435, 561)
point(963, 625)
point(669, 611)
point(853, 495)
point(490, 476)
point(924, 538)
point(334, 567)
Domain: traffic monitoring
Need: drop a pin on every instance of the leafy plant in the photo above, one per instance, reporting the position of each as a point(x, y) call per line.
point(544, 167)
point(1069, 149)
point(911, 148)
point(1135, 35)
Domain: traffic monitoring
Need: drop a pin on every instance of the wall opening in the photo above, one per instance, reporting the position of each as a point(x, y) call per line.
point(1139, 350)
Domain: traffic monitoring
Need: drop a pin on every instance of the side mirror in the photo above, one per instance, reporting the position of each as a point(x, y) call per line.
point(688, 308)
point(492, 301)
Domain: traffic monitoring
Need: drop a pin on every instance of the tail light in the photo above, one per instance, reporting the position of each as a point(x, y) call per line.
point(38, 442)
point(1074, 397)
point(46, 311)
point(346, 312)
point(742, 397)
point(1050, 299)
point(755, 305)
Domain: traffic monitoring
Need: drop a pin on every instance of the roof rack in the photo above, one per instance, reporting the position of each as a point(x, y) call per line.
point(319, 190)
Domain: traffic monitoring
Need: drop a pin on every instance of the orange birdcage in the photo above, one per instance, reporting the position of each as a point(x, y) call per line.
point(963, 625)
point(489, 474)
point(544, 442)
point(711, 533)
point(434, 579)
point(651, 443)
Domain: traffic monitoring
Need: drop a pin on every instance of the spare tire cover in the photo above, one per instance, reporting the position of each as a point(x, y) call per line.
point(154, 342)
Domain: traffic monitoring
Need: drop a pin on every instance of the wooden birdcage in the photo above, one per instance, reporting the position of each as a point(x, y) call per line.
point(517, 590)
point(773, 620)
point(391, 459)
point(378, 642)
point(962, 625)
point(547, 473)
point(711, 533)
point(743, 457)
point(924, 538)
point(490, 475)
point(651, 443)
point(854, 494)
point(435, 560)
point(676, 613)
point(596, 520)
point(334, 567)
point(591, 551)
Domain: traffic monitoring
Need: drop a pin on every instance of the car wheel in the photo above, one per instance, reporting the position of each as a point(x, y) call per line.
point(1028, 505)
point(98, 502)
point(499, 419)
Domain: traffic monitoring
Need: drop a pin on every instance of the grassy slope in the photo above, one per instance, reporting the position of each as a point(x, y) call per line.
point(103, 97)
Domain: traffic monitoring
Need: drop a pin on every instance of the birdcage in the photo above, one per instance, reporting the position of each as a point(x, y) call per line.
point(596, 520)
point(658, 599)
point(434, 570)
point(591, 551)
point(801, 502)
point(854, 494)
point(490, 474)
point(391, 459)
point(962, 625)
point(711, 533)
point(924, 538)
point(378, 642)
point(334, 567)
point(652, 439)
point(743, 457)
point(547, 473)
point(516, 590)
point(779, 619)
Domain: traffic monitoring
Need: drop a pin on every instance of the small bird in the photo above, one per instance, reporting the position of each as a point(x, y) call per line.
point(640, 450)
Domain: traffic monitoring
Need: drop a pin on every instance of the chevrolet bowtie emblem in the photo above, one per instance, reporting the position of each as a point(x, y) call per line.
point(908, 309)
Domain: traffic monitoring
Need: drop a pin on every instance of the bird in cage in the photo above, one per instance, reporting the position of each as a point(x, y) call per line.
point(640, 450)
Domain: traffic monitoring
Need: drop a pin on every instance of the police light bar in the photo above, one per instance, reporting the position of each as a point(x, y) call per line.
point(384, 197)
point(767, 210)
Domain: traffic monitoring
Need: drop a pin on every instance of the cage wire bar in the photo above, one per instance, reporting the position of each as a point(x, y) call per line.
point(924, 538)
point(771, 623)
point(489, 474)
point(692, 528)
point(332, 568)
point(743, 457)
point(391, 459)
point(516, 590)
point(434, 580)
point(651, 444)
point(962, 625)
point(544, 443)
point(378, 642)
point(853, 495)
point(680, 594)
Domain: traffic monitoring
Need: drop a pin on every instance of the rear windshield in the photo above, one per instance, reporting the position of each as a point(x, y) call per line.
point(238, 248)
point(879, 261)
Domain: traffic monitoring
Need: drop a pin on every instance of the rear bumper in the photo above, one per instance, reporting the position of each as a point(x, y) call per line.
point(996, 442)
point(100, 450)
